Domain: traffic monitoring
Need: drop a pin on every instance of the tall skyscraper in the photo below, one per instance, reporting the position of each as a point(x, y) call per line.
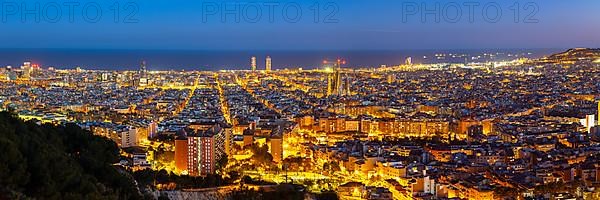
point(253, 63)
point(408, 61)
point(143, 79)
point(27, 69)
point(143, 69)
point(268, 64)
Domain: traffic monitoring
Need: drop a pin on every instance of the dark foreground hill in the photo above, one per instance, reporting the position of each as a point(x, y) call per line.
point(59, 162)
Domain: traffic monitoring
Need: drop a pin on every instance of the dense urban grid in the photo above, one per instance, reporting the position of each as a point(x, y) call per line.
point(510, 129)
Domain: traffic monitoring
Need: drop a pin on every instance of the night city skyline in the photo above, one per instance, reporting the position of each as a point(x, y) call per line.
point(292, 100)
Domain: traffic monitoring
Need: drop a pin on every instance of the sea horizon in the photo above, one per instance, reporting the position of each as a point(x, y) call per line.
point(212, 60)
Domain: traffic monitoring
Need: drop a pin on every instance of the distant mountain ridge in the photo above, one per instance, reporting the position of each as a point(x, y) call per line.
point(572, 56)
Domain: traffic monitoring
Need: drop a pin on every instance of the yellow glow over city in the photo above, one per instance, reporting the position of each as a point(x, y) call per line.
point(405, 131)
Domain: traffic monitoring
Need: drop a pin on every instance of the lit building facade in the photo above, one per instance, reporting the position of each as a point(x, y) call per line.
point(129, 138)
point(588, 122)
point(253, 63)
point(391, 127)
point(268, 64)
point(202, 148)
point(181, 154)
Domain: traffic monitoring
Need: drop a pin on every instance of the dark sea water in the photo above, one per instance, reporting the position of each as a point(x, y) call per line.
point(217, 60)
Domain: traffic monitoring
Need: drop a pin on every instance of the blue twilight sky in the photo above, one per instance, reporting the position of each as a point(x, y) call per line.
point(340, 24)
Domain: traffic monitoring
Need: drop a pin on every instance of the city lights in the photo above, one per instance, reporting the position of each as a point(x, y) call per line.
point(288, 100)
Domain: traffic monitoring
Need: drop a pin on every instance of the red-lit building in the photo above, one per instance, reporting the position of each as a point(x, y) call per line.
point(199, 148)
point(181, 153)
